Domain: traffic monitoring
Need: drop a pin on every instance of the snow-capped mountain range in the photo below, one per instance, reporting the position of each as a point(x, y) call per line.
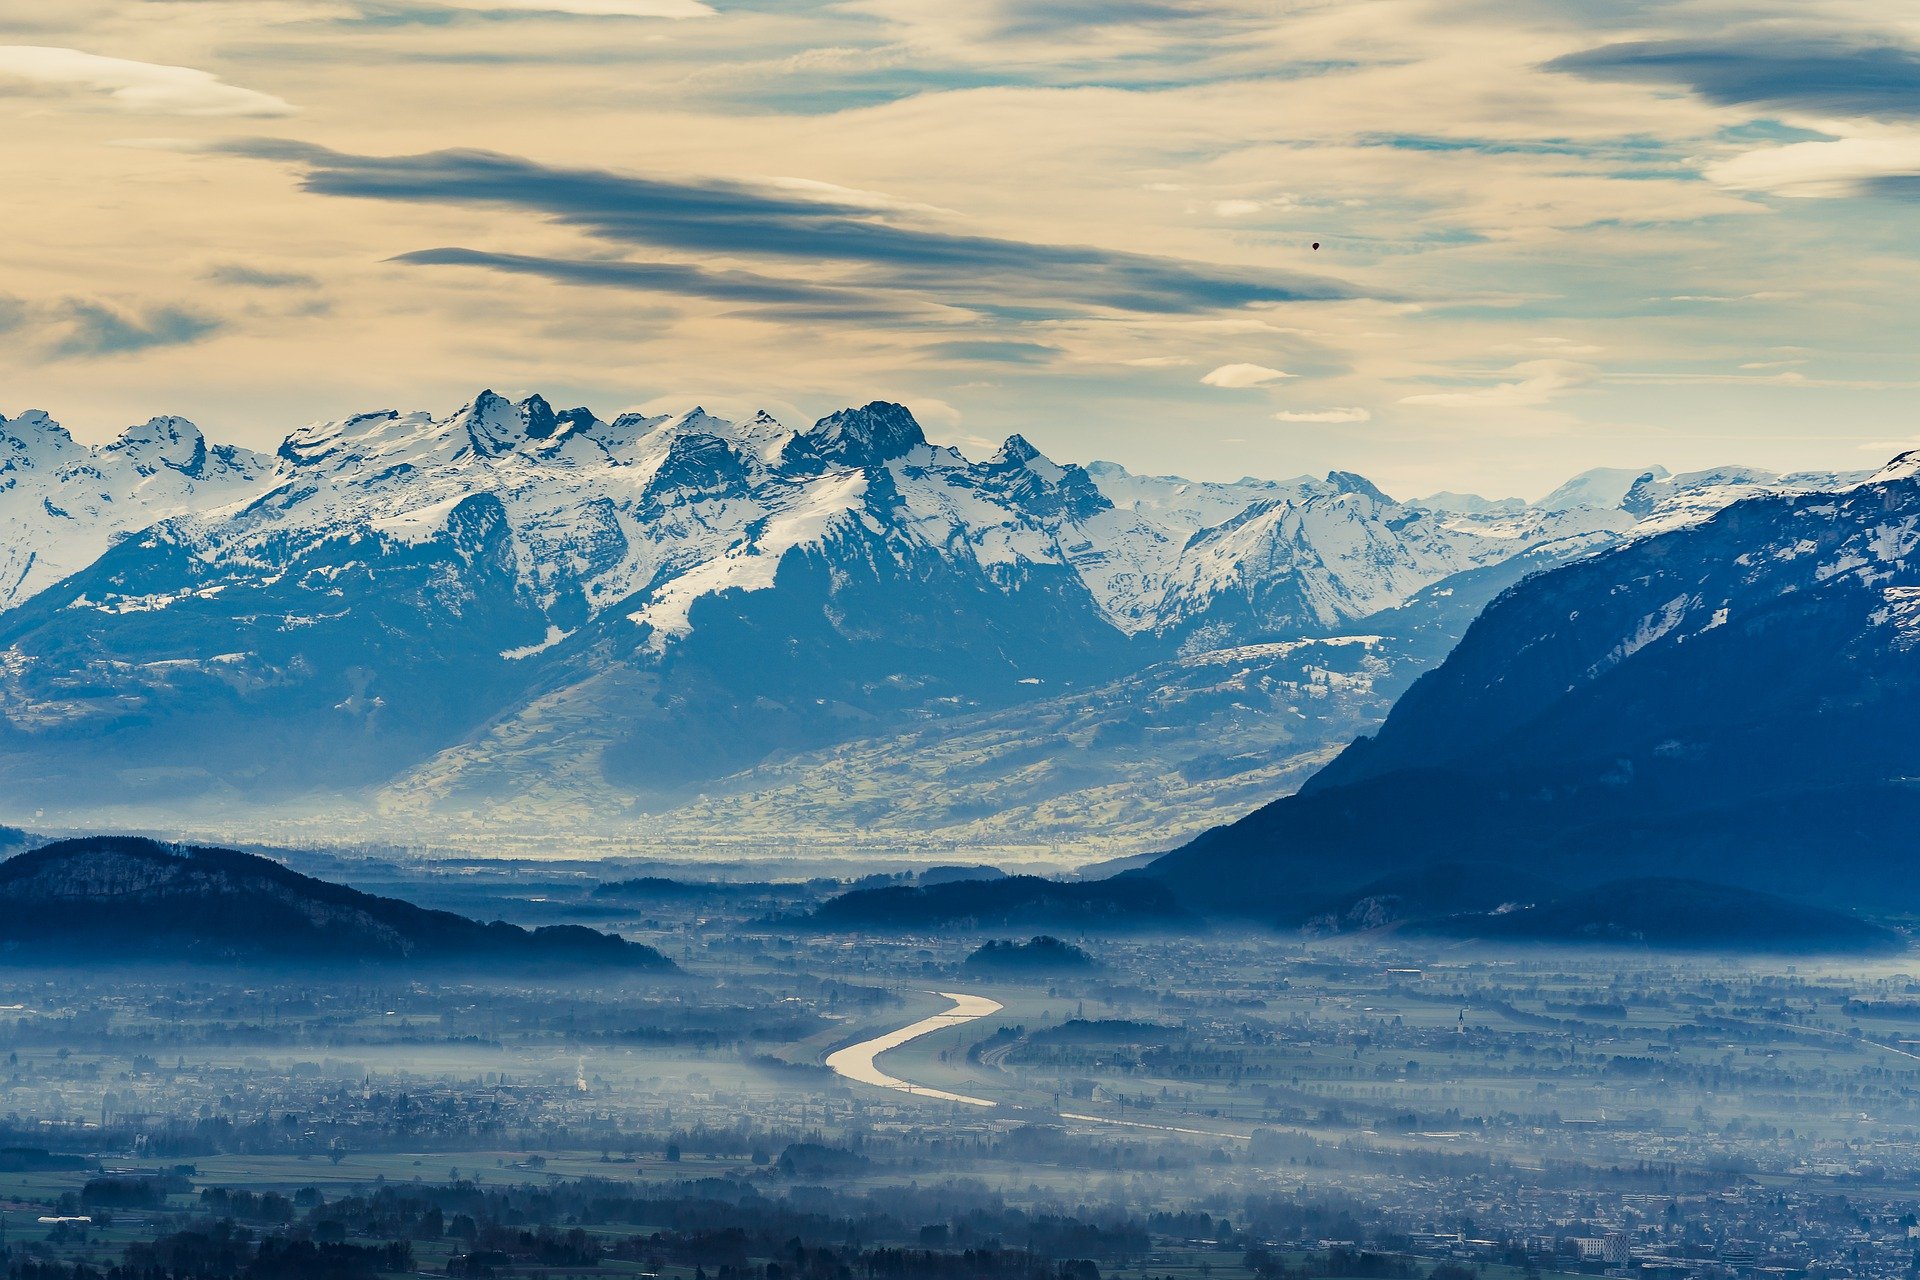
point(459, 609)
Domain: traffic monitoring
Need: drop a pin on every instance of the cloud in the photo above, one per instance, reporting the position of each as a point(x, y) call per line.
point(992, 351)
point(146, 88)
point(428, 14)
point(243, 276)
point(1532, 382)
point(881, 248)
point(1781, 72)
point(1239, 376)
point(1056, 32)
point(63, 328)
point(1355, 414)
point(652, 277)
point(98, 329)
point(1834, 168)
point(590, 8)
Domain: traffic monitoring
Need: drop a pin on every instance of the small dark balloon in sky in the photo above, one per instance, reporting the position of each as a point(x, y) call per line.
point(1316, 244)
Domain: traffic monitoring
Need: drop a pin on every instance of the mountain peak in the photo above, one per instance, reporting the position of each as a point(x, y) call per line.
point(1603, 488)
point(1017, 449)
point(539, 416)
point(869, 436)
point(1903, 466)
point(34, 426)
point(165, 441)
point(546, 423)
point(1354, 482)
point(1042, 485)
point(496, 425)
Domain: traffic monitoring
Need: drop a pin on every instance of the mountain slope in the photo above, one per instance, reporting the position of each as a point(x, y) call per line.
point(1729, 701)
point(526, 615)
point(112, 898)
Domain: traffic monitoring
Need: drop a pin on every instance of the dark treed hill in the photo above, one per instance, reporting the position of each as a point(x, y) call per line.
point(948, 874)
point(1670, 914)
point(1010, 902)
point(102, 898)
point(1040, 955)
point(1104, 1031)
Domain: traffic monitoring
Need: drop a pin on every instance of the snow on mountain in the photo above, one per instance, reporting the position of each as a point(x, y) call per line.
point(515, 599)
point(1669, 502)
point(655, 512)
point(1340, 550)
point(62, 503)
point(1470, 504)
point(1601, 487)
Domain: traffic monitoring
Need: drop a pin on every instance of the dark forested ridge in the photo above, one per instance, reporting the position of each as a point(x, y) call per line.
point(125, 897)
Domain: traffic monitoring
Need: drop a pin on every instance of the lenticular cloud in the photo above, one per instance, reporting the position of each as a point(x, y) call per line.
point(146, 88)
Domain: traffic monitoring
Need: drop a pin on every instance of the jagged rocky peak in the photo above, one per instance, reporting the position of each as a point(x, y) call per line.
point(1043, 485)
point(698, 421)
point(1016, 451)
point(869, 436)
point(699, 462)
point(35, 422)
point(1353, 482)
point(496, 425)
point(167, 441)
point(34, 439)
point(543, 422)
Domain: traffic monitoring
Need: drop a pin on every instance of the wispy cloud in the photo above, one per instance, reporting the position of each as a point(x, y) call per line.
point(1354, 414)
point(97, 329)
point(145, 88)
point(880, 248)
point(85, 328)
point(590, 8)
point(992, 351)
point(1799, 71)
point(660, 277)
point(1529, 383)
point(246, 277)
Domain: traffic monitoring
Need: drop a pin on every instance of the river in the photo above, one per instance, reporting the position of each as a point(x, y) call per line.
point(856, 1061)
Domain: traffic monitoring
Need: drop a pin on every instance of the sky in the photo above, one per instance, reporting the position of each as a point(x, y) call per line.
point(1552, 234)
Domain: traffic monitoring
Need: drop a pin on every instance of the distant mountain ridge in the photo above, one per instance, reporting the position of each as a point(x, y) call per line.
point(535, 614)
point(1730, 702)
point(117, 898)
